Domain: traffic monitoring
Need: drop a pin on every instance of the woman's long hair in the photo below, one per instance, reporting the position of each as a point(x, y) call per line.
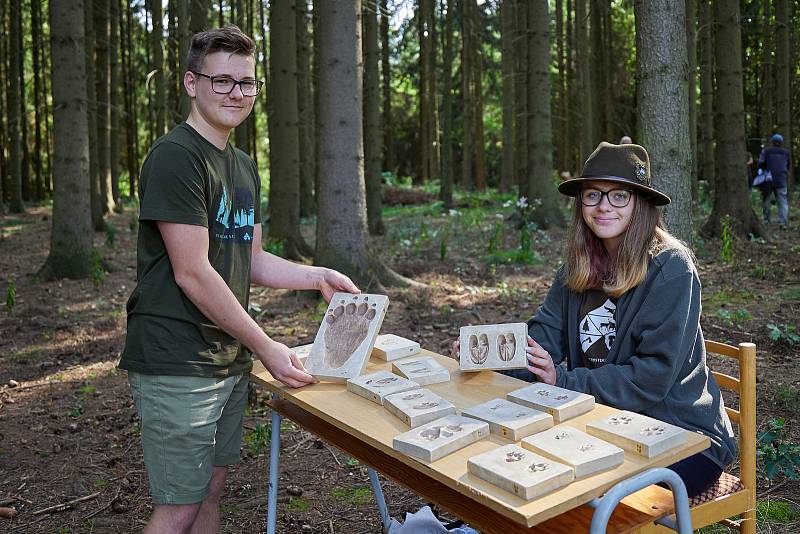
point(588, 265)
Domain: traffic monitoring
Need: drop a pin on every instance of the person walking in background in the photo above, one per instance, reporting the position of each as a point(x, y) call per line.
point(775, 160)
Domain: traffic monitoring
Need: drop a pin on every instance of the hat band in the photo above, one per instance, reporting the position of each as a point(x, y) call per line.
point(613, 178)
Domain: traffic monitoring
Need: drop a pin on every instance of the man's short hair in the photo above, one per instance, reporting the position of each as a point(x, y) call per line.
point(226, 39)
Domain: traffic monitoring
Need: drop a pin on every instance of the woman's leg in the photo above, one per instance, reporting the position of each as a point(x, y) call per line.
point(698, 472)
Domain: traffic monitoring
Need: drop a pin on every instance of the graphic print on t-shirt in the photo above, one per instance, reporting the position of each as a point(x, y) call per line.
point(599, 324)
point(234, 219)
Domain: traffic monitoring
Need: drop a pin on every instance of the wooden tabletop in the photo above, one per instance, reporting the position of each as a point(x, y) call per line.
point(370, 426)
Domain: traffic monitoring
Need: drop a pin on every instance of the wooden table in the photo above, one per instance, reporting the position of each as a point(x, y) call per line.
point(365, 431)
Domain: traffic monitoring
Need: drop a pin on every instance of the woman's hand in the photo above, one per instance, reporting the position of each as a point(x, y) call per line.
point(455, 350)
point(540, 362)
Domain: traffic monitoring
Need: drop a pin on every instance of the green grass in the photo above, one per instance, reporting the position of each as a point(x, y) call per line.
point(787, 397)
point(358, 496)
point(767, 512)
point(298, 505)
point(792, 293)
point(733, 297)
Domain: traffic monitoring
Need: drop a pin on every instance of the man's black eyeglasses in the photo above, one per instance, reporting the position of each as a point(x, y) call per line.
point(224, 85)
point(619, 198)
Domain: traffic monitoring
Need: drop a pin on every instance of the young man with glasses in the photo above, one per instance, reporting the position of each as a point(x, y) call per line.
point(190, 341)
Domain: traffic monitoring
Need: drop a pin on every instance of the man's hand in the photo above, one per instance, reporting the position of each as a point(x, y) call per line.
point(283, 365)
point(332, 281)
point(541, 363)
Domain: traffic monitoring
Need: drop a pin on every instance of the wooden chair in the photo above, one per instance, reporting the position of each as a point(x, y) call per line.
point(740, 497)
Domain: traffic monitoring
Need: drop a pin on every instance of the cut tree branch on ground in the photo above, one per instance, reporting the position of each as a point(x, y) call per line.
point(63, 506)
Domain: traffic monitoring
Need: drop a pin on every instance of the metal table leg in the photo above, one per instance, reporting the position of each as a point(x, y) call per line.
point(376, 489)
point(605, 505)
point(274, 459)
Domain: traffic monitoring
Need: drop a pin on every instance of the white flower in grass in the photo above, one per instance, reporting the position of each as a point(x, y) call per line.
point(522, 202)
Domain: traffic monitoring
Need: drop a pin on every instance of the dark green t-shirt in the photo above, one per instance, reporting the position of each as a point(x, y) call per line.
point(187, 180)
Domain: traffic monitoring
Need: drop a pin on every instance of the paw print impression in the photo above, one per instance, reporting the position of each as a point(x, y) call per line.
point(412, 396)
point(506, 346)
point(652, 431)
point(619, 420)
point(514, 456)
point(478, 348)
point(586, 447)
point(425, 405)
point(543, 393)
point(431, 434)
point(382, 382)
point(348, 325)
point(536, 467)
point(561, 435)
point(562, 397)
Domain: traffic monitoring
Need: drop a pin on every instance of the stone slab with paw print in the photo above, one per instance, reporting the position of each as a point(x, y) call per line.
point(493, 346)
point(521, 472)
point(346, 336)
point(418, 406)
point(586, 454)
point(441, 437)
point(391, 347)
point(423, 370)
point(510, 420)
point(376, 386)
point(561, 403)
point(637, 433)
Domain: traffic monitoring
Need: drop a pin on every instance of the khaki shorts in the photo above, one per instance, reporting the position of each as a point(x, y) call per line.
point(189, 425)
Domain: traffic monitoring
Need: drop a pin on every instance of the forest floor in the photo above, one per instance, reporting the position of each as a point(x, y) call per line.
point(68, 427)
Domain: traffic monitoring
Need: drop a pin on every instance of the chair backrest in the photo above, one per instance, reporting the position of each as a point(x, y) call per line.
point(745, 416)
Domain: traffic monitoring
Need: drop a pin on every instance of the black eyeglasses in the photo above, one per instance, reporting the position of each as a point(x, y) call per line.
point(619, 198)
point(224, 85)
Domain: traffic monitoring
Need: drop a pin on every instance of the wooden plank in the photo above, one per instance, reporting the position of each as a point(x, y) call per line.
point(370, 425)
point(624, 519)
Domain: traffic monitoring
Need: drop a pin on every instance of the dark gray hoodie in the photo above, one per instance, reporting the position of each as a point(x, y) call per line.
point(657, 363)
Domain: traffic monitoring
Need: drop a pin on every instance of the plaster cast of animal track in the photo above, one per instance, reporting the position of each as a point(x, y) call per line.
point(479, 348)
point(348, 325)
point(506, 346)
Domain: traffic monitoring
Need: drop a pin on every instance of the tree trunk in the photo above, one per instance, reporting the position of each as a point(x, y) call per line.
point(156, 38)
point(38, 116)
point(507, 68)
point(372, 118)
point(467, 106)
point(446, 189)
point(113, 141)
point(691, 56)
point(242, 131)
point(732, 206)
point(521, 97)
point(783, 79)
point(587, 140)
point(284, 145)
point(305, 112)
point(199, 21)
point(23, 114)
point(3, 114)
point(425, 97)
point(562, 120)
point(91, 117)
point(540, 149)
point(662, 105)
point(14, 105)
point(184, 38)
point(707, 92)
point(103, 94)
point(767, 73)
point(477, 97)
point(131, 108)
point(386, 86)
point(71, 236)
point(341, 204)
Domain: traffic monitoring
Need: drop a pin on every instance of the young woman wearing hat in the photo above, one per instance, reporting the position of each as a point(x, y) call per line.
point(623, 312)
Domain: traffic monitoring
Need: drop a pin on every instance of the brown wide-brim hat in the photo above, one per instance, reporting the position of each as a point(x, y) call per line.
point(627, 165)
